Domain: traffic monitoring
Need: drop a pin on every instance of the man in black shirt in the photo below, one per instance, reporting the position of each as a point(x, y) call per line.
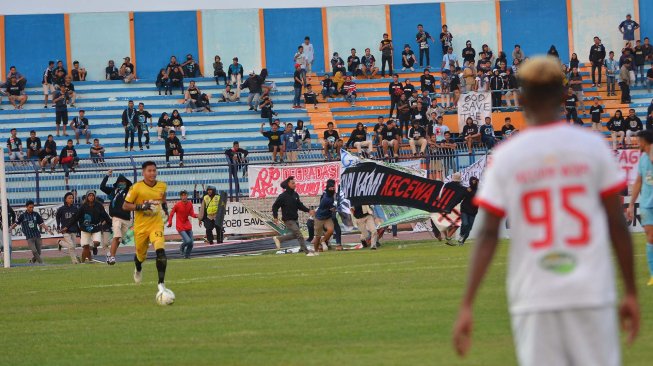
point(469, 53)
point(427, 82)
point(127, 71)
point(408, 88)
point(68, 158)
point(423, 39)
point(358, 139)
point(353, 63)
point(80, 125)
point(417, 136)
point(338, 64)
point(79, 74)
point(633, 125)
point(70, 88)
point(274, 141)
point(471, 133)
point(330, 143)
point(570, 106)
point(111, 72)
point(386, 49)
point(14, 146)
point(49, 154)
point(142, 116)
point(48, 86)
point(298, 82)
point(59, 98)
point(390, 137)
point(16, 93)
point(368, 64)
point(290, 203)
point(595, 111)
point(597, 55)
point(33, 146)
point(129, 122)
point(190, 67)
point(395, 90)
point(173, 148)
point(649, 79)
point(237, 159)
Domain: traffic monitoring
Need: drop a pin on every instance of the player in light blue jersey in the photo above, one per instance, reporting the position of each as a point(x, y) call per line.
point(643, 188)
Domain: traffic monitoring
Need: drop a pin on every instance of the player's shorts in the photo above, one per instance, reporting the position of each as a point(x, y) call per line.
point(583, 336)
point(391, 142)
point(142, 240)
point(119, 227)
point(646, 216)
point(90, 238)
point(322, 225)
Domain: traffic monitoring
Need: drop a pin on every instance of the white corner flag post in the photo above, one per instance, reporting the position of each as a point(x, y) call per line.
point(5, 210)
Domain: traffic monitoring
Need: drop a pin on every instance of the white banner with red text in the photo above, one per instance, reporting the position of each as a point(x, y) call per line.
point(265, 180)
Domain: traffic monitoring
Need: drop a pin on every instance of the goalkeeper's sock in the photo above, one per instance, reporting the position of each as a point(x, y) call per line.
point(649, 257)
point(161, 264)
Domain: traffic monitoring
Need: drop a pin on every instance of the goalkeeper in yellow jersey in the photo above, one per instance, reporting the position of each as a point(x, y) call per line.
point(148, 199)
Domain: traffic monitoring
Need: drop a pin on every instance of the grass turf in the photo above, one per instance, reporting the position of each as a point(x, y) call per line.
point(389, 307)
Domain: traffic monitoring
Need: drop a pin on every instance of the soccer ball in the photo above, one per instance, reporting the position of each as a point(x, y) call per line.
point(165, 297)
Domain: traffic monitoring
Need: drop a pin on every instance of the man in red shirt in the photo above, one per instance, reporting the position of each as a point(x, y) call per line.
point(184, 210)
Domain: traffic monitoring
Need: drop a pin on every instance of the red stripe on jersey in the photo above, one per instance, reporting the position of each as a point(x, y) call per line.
point(614, 189)
point(496, 211)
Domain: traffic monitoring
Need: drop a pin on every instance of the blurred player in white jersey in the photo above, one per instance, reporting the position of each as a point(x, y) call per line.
point(559, 186)
point(644, 185)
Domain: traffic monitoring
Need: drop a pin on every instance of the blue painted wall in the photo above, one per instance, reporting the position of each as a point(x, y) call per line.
point(404, 20)
point(283, 36)
point(534, 31)
point(160, 35)
point(646, 19)
point(31, 41)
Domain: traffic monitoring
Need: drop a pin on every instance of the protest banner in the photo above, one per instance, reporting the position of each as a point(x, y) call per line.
point(265, 180)
point(476, 105)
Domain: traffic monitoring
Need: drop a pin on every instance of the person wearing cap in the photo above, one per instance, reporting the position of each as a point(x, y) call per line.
point(90, 217)
point(408, 58)
point(208, 213)
point(64, 218)
point(120, 218)
point(79, 124)
point(254, 84)
point(78, 73)
point(235, 73)
point(337, 64)
point(290, 203)
point(184, 211)
point(127, 70)
point(469, 53)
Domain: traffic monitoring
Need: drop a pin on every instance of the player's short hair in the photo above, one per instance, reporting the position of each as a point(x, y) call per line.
point(31, 203)
point(646, 135)
point(148, 163)
point(541, 78)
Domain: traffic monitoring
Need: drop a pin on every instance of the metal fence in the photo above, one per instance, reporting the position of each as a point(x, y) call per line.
point(26, 180)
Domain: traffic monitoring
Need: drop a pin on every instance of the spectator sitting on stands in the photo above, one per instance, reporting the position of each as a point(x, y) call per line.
point(17, 97)
point(510, 83)
point(633, 126)
point(266, 106)
point(70, 88)
point(436, 108)
point(163, 126)
point(274, 141)
point(68, 159)
point(191, 67)
point(111, 72)
point(426, 102)
point(517, 53)
point(438, 129)
point(235, 73)
point(390, 137)
point(339, 81)
point(289, 144)
point(176, 78)
point(469, 53)
point(229, 95)
point(60, 67)
point(427, 82)
point(33, 146)
point(368, 64)
point(337, 64)
point(14, 146)
point(501, 60)
point(48, 86)
point(173, 148)
point(350, 91)
point(626, 55)
point(310, 97)
point(49, 154)
point(80, 125)
point(328, 87)
point(470, 133)
point(449, 59)
point(173, 64)
point(218, 70)
point(487, 134)
point(417, 137)
point(127, 71)
point(176, 123)
point(79, 73)
point(20, 79)
point(267, 86)
point(330, 141)
point(354, 64)
point(97, 152)
point(358, 139)
point(254, 84)
point(163, 82)
point(303, 135)
point(507, 129)
point(193, 99)
point(617, 128)
point(408, 58)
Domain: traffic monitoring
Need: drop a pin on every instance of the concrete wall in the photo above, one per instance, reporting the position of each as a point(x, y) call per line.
point(598, 18)
point(476, 22)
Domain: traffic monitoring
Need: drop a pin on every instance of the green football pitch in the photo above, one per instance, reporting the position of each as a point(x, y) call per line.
point(394, 306)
